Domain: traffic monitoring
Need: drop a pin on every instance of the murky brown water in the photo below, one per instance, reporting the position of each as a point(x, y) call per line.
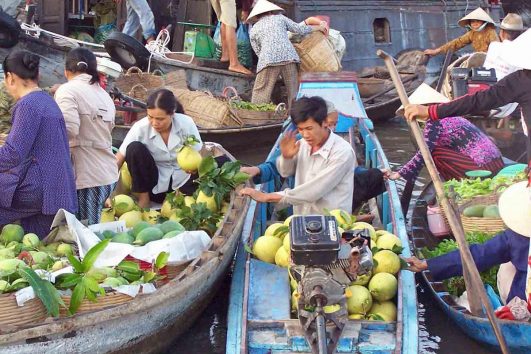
point(437, 334)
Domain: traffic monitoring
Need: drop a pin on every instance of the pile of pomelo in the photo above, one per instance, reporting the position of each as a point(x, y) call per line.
point(370, 296)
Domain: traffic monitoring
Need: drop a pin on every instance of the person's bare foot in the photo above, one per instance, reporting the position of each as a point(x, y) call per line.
point(240, 69)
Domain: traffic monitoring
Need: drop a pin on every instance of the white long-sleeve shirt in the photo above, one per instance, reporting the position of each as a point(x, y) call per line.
point(324, 179)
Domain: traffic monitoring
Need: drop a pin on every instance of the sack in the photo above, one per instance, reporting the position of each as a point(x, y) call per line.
point(338, 42)
point(245, 52)
point(217, 41)
point(317, 54)
point(207, 111)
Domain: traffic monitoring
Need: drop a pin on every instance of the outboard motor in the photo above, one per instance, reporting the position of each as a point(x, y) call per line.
point(467, 81)
point(324, 264)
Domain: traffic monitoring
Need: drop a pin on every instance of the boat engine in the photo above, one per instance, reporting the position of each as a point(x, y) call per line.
point(467, 81)
point(324, 263)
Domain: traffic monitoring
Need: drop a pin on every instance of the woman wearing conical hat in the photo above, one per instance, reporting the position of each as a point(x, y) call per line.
point(481, 32)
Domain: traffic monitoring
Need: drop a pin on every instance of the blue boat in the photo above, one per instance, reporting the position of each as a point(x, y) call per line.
point(517, 334)
point(259, 309)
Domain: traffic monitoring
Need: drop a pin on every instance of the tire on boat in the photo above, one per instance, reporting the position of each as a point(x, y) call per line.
point(9, 31)
point(127, 51)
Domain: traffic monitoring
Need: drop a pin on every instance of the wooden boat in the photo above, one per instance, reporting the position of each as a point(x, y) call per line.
point(517, 334)
point(259, 309)
point(148, 323)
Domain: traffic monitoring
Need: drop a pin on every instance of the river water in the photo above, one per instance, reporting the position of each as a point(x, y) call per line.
point(437, 333)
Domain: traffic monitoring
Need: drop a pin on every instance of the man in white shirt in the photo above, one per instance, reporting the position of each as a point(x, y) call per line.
point(322, 163)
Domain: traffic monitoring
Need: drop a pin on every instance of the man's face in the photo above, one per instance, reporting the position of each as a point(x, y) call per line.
point(312, 132)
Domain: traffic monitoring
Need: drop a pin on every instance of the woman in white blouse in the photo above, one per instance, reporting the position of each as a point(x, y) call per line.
point(151, 146)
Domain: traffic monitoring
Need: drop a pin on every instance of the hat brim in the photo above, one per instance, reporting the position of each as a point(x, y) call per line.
point(515, 208)
point(424, 94)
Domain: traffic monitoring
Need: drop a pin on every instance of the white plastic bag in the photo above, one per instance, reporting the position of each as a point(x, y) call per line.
point(338, 42)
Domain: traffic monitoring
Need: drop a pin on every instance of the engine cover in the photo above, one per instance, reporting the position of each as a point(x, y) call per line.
point(315, 240)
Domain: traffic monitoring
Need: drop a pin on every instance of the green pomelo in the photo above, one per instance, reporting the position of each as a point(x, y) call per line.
point(270, 231)
point(387, 262)
point(474, 211)
point(265, 248)
point(125, 177)
point(282, 257)
point(131, 218)
point(151, 216)
point(166, 210)
point(210, 201)
point(362, 279)
point(173, 233)
point(39, 257)
point(286, 243)
point(360, 301)
point(108, 234)
point(64, 249)
point(123, 237)
point(288, 220)
point(189, 201)
point(12, 232)
point(8, 265)
point(189, 159)
point(386, 310)
point(171, 225)
point(356, 316)
point(388, 242)
point(31, 240)
point(139, 227)
point(383, 286)
point(58, 265)
point(112, 282)
point(122, 204)
point(107, 215)
point(147, 235)
point(343, 218)
point(491, 211)
point(3, 286)
point(7, 253)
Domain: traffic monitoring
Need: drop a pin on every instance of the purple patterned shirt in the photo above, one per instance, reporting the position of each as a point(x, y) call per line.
point(38, 141)
point(454, 133)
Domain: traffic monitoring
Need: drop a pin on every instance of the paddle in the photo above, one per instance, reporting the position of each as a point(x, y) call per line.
point(476, 290)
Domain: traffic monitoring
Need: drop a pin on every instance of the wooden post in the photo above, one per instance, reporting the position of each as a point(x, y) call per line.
point(477, 296)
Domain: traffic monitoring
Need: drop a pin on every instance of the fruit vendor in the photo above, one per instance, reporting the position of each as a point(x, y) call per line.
point(515, 87)
point(150, 149)
point(89, 113)
point(36, 177)
point(481, 32)
point(456, 145)
point(276, 54)
point(321, 162)
point(511, 245)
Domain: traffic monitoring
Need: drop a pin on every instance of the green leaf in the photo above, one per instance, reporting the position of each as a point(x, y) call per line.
point(48, 297)
point(92, 255)
point(68, 280)
point(397, 249)
point(78, 295)
point(149, 276)
point(403, 264)
point(375, 317)
point(162, 260)
point(248, 249)
point(240, 178)
point(374, 263)
point(78, 267)
point(90, 295)
point(281, 231)
point(91, 284)
point(208, 164)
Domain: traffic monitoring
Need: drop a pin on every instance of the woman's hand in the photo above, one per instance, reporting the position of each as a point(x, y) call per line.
point(288, 145)
point(254, 194)
point(392, 176)
point(416, 111)
point(251, 171)
point(415, 264)
point(432, 52)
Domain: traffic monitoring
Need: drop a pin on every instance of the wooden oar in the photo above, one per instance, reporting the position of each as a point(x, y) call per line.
point(477, 295)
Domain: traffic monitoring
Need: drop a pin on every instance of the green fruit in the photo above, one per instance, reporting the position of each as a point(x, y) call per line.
point(3, 286)
point(491, 212)
point(265, 248)
point(282, 257)
point(125, 177)
point(388, 242)
point(112, 282)
point(131, 218)
point(362, 279)
point(139, 227)
point(107, 215)
point(189, 201)
point(39, 257)
point(386, 310)
point(123, 237)
point(31, 240)
point(12, 232)
point(286, 243)
point(171, 225)
point(18, 284)
point(14, 246)
point(122, 281)
point(8, 265)
point(386, 262)
point(151, 216)
point(189, 159)
point(97, 274)
point(383, 286)
point(108, 234)
point(271, 229)
point(210, 201)
point(166, 210)
point(64, 249)
point(172, 234)
point(7, 253)
point(58, 265)
point(122, 204)
point(147, 235)
point(474, 211)
point(360, 300)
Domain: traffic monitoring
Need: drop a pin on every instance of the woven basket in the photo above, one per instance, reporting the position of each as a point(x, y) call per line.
point(31, 313)
point(207, 111)
point(251, 117)
point(317, 54)
point(487, 225)
point(111, 299)
point(138, 84)
point(176, 79)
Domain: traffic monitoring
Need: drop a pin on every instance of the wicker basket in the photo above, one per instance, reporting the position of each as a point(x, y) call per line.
point(138, 84)
point(207, 111)
point(31, 313)
point(176, 79)
point(111, 299)
point(251, 117)
point(317, 54)
point(487, 225)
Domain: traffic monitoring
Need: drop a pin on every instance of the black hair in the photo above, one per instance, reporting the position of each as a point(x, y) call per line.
point(512, 34)
point(308, 107)
point(22, 63)
point(164, 99)
point(82, 60)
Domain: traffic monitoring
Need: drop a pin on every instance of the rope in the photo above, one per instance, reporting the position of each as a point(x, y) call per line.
point(35, 31)
point(158, 48)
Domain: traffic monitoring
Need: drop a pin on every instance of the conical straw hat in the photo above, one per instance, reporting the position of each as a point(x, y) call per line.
point(518, 52)
point(512, 22)
point(515, 208)
point(263, 6)
point(424, 94)
point(477, 14)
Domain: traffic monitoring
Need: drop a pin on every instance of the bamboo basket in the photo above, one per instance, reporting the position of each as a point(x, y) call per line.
point(251, 117)
point(31, 313)
point(317, 54)
point(111, 299)
point(487, 225)
point(138, 84)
